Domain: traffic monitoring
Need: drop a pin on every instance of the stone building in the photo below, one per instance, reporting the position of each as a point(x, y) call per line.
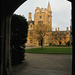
point(44, 16)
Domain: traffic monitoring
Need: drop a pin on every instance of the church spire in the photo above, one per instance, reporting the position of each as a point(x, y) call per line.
point(49, 8)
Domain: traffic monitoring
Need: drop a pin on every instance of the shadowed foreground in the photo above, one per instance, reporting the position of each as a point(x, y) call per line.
point(44, 64)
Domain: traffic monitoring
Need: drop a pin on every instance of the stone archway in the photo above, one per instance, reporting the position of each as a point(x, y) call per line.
point(7, 9)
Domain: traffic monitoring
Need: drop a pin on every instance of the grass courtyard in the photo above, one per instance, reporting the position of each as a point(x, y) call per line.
point(62, 50)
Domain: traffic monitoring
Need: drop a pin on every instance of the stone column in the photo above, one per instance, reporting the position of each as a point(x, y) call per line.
point(5, 44)
point(8, 38)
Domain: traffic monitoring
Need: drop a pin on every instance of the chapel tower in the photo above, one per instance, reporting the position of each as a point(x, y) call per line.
point(44, 16)
point(49, 16)
point(49, 22)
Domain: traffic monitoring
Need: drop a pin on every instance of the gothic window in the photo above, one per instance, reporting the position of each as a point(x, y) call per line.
point(65, 38)
point(30, 41)
point(40, 21)
point(31, 33)
point(56, 38)
point(30, 26)
point(55, 35)
point(40, 16)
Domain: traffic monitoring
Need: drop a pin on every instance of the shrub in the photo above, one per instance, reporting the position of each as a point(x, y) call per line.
point(68, 43)
point(17, 55)
point(54, 44)
point(50, 44)
point(19, 30)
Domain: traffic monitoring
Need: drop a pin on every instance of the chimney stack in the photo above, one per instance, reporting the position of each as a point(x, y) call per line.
point(29, 17)
point(67, 29)
point(58, 28)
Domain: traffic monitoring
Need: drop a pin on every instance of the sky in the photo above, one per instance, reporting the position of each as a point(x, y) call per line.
point(61, 11)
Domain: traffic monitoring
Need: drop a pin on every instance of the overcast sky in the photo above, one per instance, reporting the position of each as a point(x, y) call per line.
point(61, 11)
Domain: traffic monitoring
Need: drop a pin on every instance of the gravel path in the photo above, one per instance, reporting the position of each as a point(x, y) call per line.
point(44, 64)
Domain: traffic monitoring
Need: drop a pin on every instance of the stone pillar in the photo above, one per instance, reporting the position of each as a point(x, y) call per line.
point(56, 29)
point(8, 37)
point(5, 44)
point(67, 29)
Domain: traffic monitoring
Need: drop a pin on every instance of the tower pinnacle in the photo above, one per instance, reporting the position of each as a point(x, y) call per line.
point(29, 17)
point(49, 8)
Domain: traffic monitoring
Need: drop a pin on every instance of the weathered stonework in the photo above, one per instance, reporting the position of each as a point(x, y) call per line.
point(44, 16)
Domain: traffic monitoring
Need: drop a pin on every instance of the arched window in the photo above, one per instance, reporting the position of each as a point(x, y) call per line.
point(30, 41)
point(40, 16)
point(30, 26)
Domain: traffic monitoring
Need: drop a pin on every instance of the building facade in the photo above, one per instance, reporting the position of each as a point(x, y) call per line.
point(44, 16)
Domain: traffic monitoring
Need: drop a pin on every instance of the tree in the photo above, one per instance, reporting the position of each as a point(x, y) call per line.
point(40, 31)
point(19, 29)
point(68, 43)
point(50, 44)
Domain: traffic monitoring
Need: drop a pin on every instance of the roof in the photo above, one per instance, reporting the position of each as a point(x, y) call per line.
point(60, 32)
point(31, 22)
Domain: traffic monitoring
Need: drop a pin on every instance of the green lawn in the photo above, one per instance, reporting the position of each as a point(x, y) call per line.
point(50, 50)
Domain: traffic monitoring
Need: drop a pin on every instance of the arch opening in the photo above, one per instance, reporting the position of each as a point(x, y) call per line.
point(4, 37)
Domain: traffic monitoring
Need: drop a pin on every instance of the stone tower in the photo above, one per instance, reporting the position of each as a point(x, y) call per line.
point(49, 16)
point(50, 22)
point(40, 16)
point(29, 19)
point(44, 16)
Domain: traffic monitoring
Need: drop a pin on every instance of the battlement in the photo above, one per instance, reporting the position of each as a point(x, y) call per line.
point(42, 10)
point(37, 9)
point(67, 29)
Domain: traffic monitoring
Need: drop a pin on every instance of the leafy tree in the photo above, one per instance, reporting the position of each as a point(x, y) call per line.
point(59, 42)
point(40, 31)
point(54, 44)
point(19, 27)
point(50, 44)
point(19, 31)
point(68, 43)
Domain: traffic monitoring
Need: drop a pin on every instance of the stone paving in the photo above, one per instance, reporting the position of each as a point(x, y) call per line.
point(44, 64)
